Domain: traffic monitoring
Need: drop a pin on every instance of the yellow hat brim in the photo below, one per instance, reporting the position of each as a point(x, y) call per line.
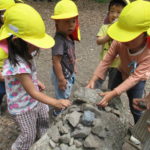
point(123, 35)
point(43, 42)
point(64, 16)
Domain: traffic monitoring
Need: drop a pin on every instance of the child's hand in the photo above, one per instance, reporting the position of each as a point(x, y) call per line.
point(75, 69)
point(107, 97)
point(138, 104)
point(41, 86)
point(62, 84)
point(62, 103)
point(91, 83)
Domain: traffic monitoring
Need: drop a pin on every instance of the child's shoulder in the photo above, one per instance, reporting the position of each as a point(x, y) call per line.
point(20, 67)
point(59, 36)
point(103, 29)
point(104, 26)
point(60, 40)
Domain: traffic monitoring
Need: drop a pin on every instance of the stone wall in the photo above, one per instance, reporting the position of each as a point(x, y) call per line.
point(84, 126)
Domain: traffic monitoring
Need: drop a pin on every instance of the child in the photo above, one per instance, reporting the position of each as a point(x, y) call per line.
point(63, 53)
point(4, 5)
point(130, 32)
point(24, 99)
point(114, 10)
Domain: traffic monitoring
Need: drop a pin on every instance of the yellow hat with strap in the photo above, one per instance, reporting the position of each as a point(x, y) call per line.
point(5, 4)
point(3, 54)
point(133, 21)
point(65, 9)
point(23, 21)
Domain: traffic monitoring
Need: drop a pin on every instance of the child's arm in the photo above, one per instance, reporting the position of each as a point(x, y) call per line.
point(104, 64)
point(141, 73)
point(62, 82)
point(34, 93)
point(103, 39)
point(1, 77)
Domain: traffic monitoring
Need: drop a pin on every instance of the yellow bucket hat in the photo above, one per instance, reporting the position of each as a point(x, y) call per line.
point(3, 54)
point(23, 21)
point(65, 9)
point(5, 4)
point(133, 21)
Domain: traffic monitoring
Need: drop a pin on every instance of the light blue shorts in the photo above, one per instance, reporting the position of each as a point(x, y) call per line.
point(63, 94)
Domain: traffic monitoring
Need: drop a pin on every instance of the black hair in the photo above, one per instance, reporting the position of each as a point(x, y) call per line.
point(18, 47)
point(17, 1)
point(117, 3)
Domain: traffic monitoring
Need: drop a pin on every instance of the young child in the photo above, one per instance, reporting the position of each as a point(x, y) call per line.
point(114, 10)
point(4, 5)
point(25, 101)
point(63, 53)
point(130, 33)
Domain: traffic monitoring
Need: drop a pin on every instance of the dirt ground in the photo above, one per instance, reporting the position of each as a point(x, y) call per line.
point(91, 16)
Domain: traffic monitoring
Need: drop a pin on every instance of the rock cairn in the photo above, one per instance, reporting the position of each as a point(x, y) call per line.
point(84, 126)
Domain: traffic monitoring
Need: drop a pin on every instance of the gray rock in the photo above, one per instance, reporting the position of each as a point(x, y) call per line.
point(59, 124)
point(63, 130)
point(65, 138)
point(43, 143)
point(71, 141)
point(52, 144)
point(73, 108)
point(116, 112)
point(53, 133)
point(92, 108)
point(87, 95)
point(84, 132)
point(74, 118)
point(73, 147)
point(88, 118)
point(92, 141)
point(78, 143)
point(100, 131)
point(108, 109)
point(56, 148)
point(64, 147)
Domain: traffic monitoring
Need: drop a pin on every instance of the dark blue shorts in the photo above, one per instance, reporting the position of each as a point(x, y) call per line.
point(135, 92)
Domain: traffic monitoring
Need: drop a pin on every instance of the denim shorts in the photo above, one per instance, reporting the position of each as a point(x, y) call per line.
point(63, 94)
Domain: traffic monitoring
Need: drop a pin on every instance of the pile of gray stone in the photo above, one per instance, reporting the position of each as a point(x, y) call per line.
point(85, 126)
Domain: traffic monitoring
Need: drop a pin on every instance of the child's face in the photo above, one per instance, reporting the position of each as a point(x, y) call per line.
point(136, 43)
point(32, 48)
point(1, 16)
point(114, 12)
point(66, 26)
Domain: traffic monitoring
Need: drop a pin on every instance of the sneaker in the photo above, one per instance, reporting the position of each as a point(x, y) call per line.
point(135, 140)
